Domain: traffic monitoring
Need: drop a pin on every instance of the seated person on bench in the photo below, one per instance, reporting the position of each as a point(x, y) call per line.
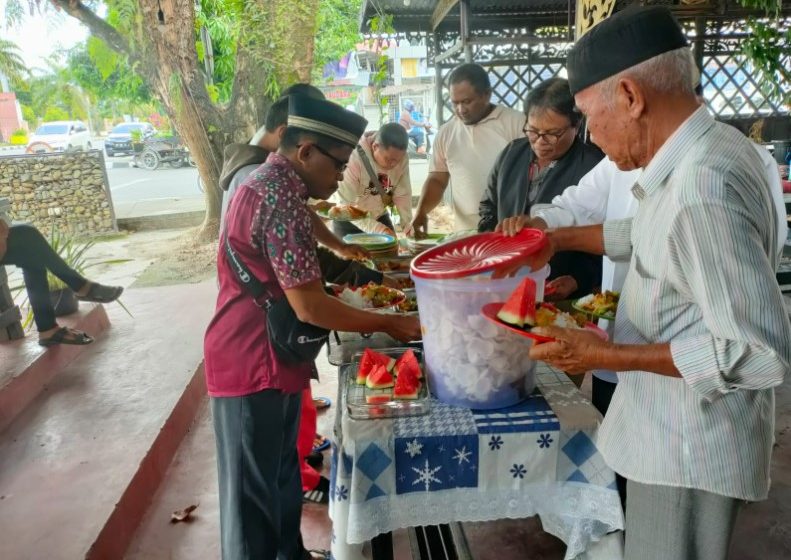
point(24, 246)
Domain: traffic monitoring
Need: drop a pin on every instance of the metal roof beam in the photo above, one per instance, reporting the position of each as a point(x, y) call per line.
point(442, 9)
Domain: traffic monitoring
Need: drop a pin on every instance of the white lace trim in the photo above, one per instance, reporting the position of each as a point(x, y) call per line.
point(578, 514)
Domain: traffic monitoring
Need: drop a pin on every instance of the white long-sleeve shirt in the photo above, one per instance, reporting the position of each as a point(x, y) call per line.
point(604, 193)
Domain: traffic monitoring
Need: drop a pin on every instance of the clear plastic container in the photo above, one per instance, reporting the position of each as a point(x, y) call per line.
point(470, 361)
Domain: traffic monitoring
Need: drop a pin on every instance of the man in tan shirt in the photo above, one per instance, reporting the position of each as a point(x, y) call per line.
point(465, 149)
point(386, 154)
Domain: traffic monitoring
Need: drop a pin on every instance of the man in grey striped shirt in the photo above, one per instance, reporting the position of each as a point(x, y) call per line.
point(705, 333)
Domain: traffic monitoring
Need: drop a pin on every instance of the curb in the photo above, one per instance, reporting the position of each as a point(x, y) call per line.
point(172, 220)
point(116, 164)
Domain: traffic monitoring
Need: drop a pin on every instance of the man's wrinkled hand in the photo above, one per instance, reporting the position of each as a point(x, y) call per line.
point(574, 351)
point(352, 252)
point(536, 261)
point(513, 225)
point(418, 228)
point(561, 287)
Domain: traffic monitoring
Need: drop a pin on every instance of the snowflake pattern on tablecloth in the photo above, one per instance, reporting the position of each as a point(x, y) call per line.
point(426, 476)
point(518, 471)
point(544, 440)
point(341, 493)
point(462, 455)
point(495, 443)
point(436, 465)
point(413, 448)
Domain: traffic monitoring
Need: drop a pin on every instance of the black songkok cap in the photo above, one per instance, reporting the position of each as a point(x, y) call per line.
point(325, 117)
point(621, 41)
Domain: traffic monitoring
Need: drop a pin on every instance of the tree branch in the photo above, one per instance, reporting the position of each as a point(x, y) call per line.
point(97, 26)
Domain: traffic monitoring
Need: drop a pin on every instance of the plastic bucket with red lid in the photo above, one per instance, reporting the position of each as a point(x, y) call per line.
point(470, 361)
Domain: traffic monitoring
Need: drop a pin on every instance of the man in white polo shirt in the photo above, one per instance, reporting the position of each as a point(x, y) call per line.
point(465, 149)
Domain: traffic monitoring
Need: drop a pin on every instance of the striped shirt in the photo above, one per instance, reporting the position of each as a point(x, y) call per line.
point(703, 248)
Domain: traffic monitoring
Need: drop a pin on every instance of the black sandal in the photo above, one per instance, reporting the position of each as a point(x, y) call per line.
point(320, 494)
point(65, 335)
point(98, 293)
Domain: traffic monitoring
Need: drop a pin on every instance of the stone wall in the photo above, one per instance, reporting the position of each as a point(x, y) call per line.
point(68, 190)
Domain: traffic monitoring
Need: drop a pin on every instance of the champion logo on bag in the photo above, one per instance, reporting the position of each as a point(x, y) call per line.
point(307, 340)
point(241, 273)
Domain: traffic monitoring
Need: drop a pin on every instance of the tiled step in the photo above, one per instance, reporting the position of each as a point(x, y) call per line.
point(26, 368)
point(79, 465)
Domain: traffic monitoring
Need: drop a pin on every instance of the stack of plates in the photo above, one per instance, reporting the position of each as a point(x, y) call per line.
point(378, 244)
point(416, 246)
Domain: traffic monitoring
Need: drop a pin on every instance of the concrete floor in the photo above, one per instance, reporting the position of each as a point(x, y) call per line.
point(67, 461)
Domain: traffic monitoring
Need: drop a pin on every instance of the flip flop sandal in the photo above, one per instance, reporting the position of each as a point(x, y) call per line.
point(320, 494)
point(65, 335)
point(98, 293)
point(322, 403)
point(315, 460)
point(325, 443)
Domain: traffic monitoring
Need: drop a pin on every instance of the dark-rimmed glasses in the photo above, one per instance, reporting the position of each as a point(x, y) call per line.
point(550, 138)
point(340, 165)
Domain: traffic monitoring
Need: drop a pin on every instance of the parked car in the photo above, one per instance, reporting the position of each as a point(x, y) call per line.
point(60, 136)
point(119, 141)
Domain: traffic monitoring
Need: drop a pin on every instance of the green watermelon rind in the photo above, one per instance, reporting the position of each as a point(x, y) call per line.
point(516, 311)
point(371, 382)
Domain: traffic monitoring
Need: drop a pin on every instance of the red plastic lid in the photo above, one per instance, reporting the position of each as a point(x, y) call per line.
point(476, 254)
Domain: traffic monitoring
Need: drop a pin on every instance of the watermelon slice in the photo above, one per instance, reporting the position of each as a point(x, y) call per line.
point(378, 398)
point(369, 360)
point(406, 388)
point(379, 378)
point(520, 309)
point(407, 363)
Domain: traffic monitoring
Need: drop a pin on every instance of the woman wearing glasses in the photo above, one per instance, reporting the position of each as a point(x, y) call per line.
point(534, 169)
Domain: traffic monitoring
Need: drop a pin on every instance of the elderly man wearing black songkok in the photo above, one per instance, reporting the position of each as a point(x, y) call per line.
point(705, 335)
point(254, 386)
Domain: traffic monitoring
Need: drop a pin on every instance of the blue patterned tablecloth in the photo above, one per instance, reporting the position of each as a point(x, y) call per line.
point(454, 465)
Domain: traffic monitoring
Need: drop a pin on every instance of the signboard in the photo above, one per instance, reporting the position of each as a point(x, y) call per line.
point(591, 12)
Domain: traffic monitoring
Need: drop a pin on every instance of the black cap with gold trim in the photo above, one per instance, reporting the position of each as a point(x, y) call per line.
point(621, 41)
point(325, 117)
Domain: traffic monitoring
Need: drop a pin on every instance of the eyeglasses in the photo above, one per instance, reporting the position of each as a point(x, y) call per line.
point(550, 138)
point(340, 165)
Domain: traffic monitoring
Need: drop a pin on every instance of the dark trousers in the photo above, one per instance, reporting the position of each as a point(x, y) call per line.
point(28, 250)
point(601, 396)
point(345, 228)
point(258, 469)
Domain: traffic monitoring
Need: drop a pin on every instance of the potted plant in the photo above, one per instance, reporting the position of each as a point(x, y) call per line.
point(137, 140)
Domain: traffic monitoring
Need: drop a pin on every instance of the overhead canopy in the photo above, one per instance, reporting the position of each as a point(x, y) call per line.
point(420, 15)
point(445, 15)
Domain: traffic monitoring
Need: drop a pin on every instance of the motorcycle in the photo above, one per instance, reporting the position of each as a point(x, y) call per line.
point(412, 148)
point(157, 151)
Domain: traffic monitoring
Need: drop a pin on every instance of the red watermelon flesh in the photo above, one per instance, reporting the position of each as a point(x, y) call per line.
point(408, 363)
point(379, 378)
point(378, 398)
point(520, 309)
point(406, 388)
point(369, 360)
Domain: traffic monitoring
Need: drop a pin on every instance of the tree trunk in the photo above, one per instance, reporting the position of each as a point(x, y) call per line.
point(160, 46)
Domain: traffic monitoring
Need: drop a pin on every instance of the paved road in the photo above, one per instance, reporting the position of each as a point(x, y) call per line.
point(139, 192)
